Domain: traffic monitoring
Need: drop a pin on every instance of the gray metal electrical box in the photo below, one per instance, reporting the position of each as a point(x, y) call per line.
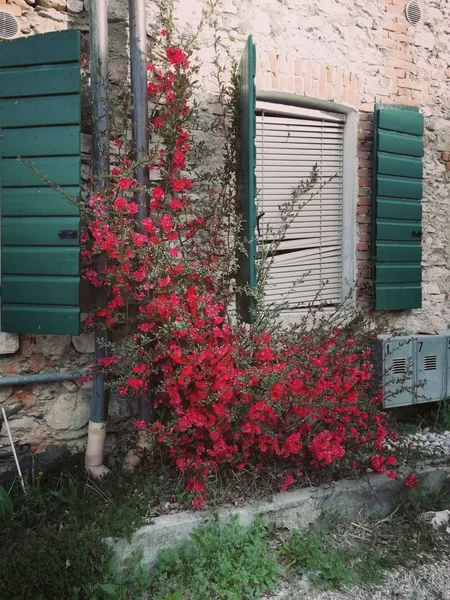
point(415, 369)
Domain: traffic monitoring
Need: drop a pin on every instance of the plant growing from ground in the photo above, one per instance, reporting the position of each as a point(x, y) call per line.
point(221, 560)
point(224, 395)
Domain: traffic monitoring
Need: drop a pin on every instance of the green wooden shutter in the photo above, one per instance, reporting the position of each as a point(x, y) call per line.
point(247, 179)
point(397, 207)
point(40, 113)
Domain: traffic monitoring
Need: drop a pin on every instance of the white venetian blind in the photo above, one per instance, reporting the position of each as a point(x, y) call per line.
point(287, 148)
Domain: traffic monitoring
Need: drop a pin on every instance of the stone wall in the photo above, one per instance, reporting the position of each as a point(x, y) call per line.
point(348, 52)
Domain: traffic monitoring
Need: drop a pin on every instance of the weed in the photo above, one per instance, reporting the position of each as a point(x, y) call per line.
point(221, 560)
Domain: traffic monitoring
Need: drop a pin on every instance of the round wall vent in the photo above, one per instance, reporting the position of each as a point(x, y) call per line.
point(413, 12)
point(9, 25)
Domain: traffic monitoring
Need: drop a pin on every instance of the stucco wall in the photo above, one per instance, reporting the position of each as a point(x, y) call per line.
point(348, 52)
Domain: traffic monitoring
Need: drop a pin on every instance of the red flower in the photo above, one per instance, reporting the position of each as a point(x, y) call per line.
point(391, 460)
point(157, 193)
point(166, 223)
point(176, 204)
point(164, 282)
point(177, 185)
point(177, 57)
point(125, 183)
point(148, 226)
point(198, 502)
point(377, 464)
point(287, 482)
point(391, 475)
point(411, 481)
point(120, 203)
point(158, 122)
point(141, 425)
point(152, 88)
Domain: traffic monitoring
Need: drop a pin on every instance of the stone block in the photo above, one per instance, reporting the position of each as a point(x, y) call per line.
point(53, 14)
point(56, 4)
point(53, 346)
point(75, 6)
point(9, 343)
point(70, 411)
point(20, 3)
point(84, 344)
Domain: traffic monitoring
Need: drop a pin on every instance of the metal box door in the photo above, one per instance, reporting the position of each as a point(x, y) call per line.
point(431, 362)
point(398, 371)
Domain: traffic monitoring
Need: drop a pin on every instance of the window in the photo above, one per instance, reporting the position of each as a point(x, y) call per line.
point(290, 141)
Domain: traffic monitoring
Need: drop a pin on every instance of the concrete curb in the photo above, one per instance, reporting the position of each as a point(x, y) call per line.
point(375, 495)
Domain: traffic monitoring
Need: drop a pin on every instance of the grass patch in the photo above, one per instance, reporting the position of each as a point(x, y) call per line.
point(221, 560)
point(52, 543)
point(52, 537)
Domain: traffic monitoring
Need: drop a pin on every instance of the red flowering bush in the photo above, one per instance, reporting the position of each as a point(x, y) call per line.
point(224, 395)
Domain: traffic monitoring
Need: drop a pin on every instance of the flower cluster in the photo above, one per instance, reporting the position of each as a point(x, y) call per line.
point(224, 396)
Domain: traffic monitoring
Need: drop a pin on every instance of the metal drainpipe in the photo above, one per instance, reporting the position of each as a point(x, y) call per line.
point(39, 378)
point(138, 55)
point(98, 39)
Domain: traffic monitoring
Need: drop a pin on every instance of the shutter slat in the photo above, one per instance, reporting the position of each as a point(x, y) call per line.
point(40, 149)
point(51, 320)
point(39, 231)
point(403, 251)
point(39, 81)
point(41, 49)
point(42, 289)
point(46, 110)
point(397, 209)
point(61, 170)
point(39, 202)
point(39, 141)
point(35, 260)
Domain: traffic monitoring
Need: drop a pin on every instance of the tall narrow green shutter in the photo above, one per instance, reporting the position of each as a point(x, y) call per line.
point(247, 179)
point(40, 114)
point(397, 207)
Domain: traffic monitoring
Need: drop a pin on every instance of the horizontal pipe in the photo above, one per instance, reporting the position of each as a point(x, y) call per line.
point(39, 378)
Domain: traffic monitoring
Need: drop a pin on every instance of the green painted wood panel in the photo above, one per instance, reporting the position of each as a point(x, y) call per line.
point(18, 289)
point(40, 116)
point(399, 208)
point(402, 121)
point(41, 141)
point(247, 178)
point(35, 260)
point(396, 230)
point(398, 143)
point(402, 251)
point(51, 320)
point(399, 187)
point(400, 166)
point(40, 81)
point(39, 231)
point(398, 297)
point(64, 170)
point(399, 273)
point(41, 110)
point(44, 49)
point(39, 202)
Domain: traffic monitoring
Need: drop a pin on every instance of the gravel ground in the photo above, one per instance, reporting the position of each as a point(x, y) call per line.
point(428, 582)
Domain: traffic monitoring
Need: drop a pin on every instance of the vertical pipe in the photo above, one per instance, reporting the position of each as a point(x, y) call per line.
point(138, 55)
point(100, 160)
